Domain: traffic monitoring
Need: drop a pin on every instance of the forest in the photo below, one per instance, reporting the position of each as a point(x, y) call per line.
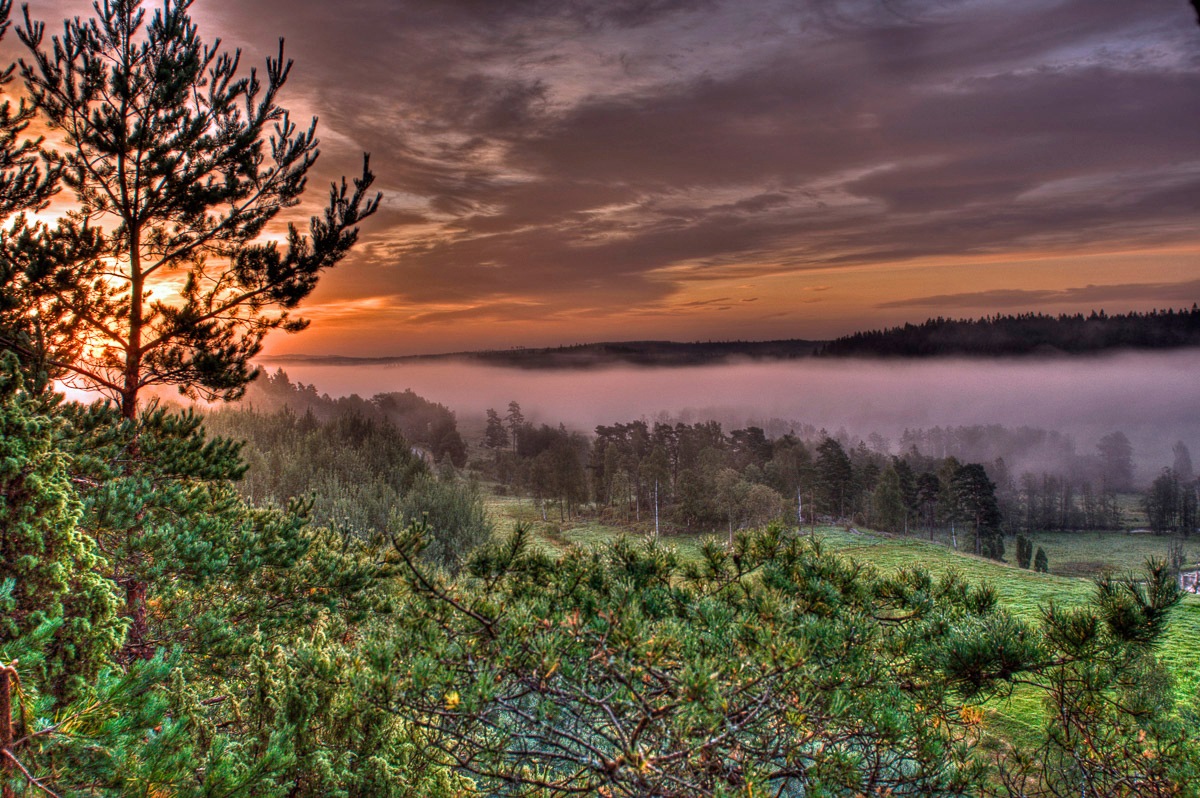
point(1025, 334)
point(279, 593)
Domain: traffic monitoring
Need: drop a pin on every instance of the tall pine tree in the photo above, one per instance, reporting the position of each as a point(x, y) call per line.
point(178, 165)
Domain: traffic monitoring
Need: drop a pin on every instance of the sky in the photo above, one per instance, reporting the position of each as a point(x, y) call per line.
point(564, 171)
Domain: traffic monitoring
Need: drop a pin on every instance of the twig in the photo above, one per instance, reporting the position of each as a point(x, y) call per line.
point(35, 782)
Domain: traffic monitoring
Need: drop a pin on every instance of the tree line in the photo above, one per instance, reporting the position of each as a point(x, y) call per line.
point(699, 477)
point(1025, 334)
point(430, 426)
point(1172, 499)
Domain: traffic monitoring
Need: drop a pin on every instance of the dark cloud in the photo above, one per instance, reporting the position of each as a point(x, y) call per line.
point(592, 156)
point(1171, 294)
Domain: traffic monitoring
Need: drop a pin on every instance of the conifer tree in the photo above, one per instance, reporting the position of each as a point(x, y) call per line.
point(51, 565)
point(835, 477)
point(1041, 563)
point(67, 718)
point(25, 185)
point(178, 164)
point(1024, 552)
point(495, 437)
point(515, 420)
point(975, 495)
point(889, 510)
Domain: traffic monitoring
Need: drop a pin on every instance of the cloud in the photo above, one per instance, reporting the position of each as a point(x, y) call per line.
point(1167, 293)
point(600, 157)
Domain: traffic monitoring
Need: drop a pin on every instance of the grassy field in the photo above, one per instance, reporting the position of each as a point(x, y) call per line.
point(1022, 592)
point(1090, 553)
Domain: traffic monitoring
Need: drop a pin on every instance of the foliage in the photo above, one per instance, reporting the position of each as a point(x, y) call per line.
point(554, 460)
point(426, 424)
point(1171, 503)
point(495, 437)
point(889, 509)
point(116, 737)
point(1056, 503)
point(429, 425)
point(355, 470)
point(1024, 552)
point(52, 569)
point(236, 594)
point(163, 632)
point(975, 501)
point(25, 186)
point(770, 666)
point(1107, 731)
point(357, 473)
point(178, 164)
point(452, 511)
point(835, 478)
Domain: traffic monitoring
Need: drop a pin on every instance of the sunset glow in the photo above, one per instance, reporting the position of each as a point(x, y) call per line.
point(557, 173)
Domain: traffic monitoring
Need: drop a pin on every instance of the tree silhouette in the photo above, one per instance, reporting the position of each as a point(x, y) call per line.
point(178, 166)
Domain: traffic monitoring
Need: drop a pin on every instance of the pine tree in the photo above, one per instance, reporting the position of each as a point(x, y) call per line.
point(515, 421)
point(178, 165)
point(835, 478)
point(1041, 563)
point(1111, 724)
point(888, 501)
point(24, 186)
point(494, 435)
point(975, 495)
point(772, 667)
point(1024, 552)
point(68, 718)
point(52, 566)
point(769, 667)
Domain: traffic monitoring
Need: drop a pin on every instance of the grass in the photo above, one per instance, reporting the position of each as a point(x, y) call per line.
point(1090, 553)
point(1022, 592)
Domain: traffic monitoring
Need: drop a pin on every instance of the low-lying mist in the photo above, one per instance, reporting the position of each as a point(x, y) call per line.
point(1154, 398)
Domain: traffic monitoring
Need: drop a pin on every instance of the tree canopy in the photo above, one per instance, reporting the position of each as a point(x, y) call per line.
point(165, 274)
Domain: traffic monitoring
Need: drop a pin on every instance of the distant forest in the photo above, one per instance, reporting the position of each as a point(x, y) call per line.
point(990, 336)
point(1025, 334)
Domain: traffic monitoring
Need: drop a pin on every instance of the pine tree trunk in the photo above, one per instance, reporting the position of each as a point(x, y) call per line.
point(6, 730)
point(136, 646)
point(133, 354)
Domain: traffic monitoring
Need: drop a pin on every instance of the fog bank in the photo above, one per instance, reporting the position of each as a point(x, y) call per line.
point(1153, 397)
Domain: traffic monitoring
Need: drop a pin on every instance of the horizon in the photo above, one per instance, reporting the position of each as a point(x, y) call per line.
point(283, 357)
